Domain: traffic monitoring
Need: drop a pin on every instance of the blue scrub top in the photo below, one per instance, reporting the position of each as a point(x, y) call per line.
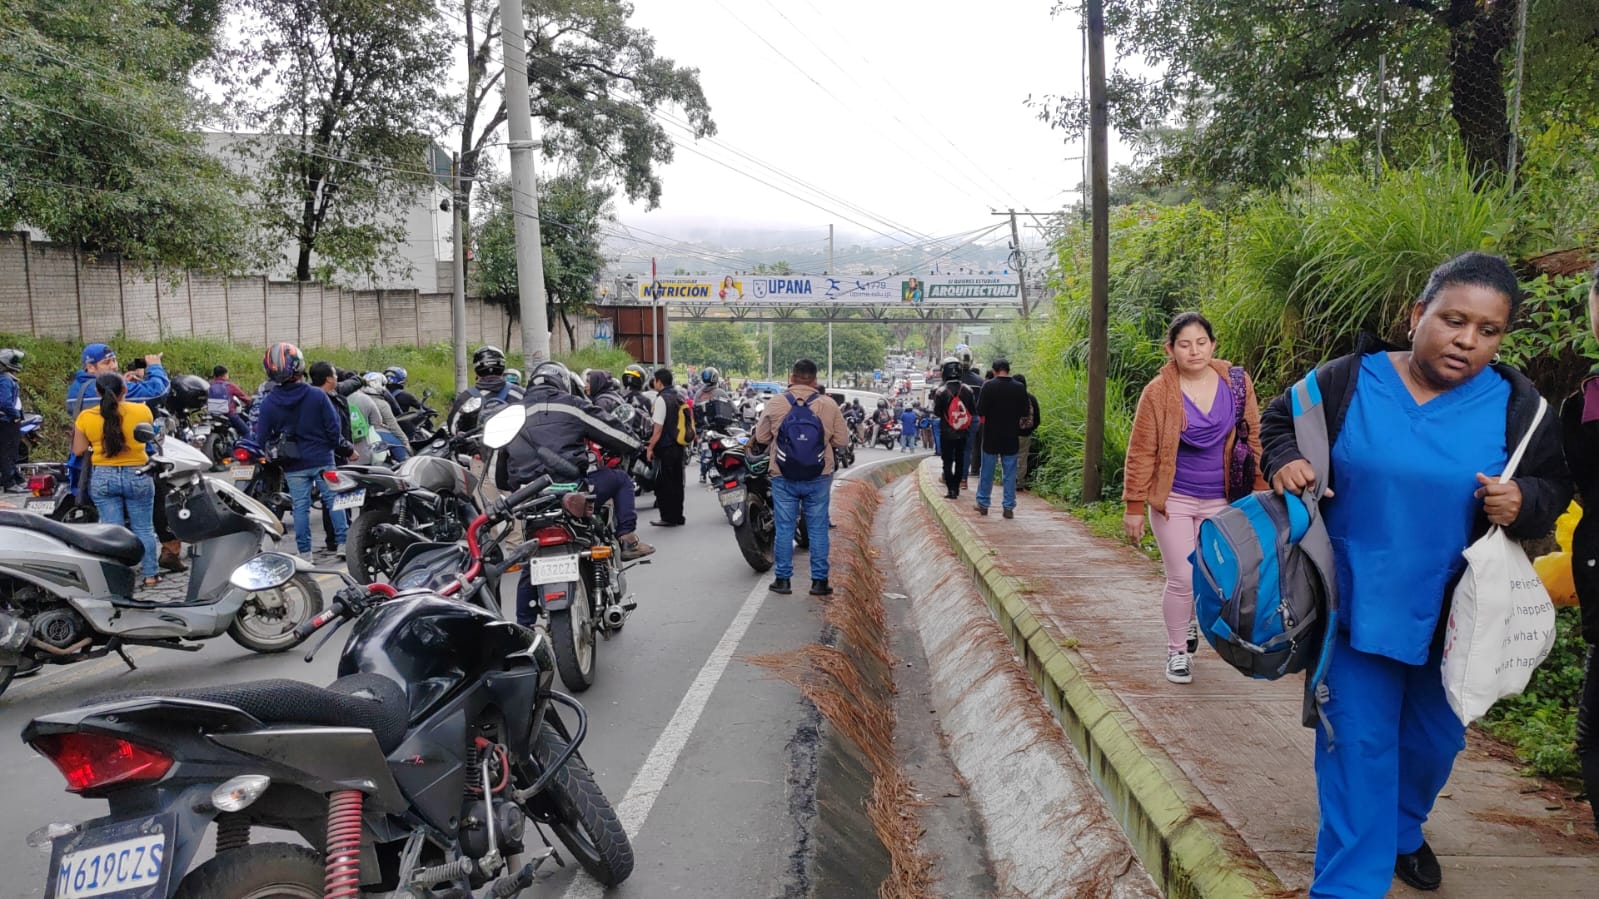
point(1404, 475)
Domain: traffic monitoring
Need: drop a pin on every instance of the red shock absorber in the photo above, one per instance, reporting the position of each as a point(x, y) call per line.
point(344, 846)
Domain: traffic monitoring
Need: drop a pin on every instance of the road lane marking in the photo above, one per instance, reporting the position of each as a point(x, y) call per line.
point(651, 778)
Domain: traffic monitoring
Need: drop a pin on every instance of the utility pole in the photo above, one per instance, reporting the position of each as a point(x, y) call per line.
point(458, 273)
point(1018, 261)
point(1382, 100)
point(1099, 283)
point(830, 314)
point(655, 317)
point(769, 327)
point(524, 188)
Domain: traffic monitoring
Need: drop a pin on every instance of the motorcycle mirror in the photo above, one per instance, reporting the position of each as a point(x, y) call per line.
point(504, 426)
point(264, 572)
point(143, 432)
point(426, 393)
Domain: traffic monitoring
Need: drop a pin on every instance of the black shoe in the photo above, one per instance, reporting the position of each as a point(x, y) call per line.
point(819, 587)
point(1420, 869)
point(667, 524)
point(982, 510)
point(782, 585)
point(1009, 513)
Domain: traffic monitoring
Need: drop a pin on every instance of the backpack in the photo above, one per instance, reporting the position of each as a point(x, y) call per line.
point(801, 442)
point(1265, 587)
point(956, 415)
point(683, 414)
point(360, 428)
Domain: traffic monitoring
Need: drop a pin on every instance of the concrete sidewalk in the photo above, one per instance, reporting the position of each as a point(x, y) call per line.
point(1213, 781)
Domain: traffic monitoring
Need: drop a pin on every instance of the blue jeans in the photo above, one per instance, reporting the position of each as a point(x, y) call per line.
point(907, 440)
point(123, 493)
point(787, 497)
point(985, 479)
point(398, 448)
point(300, 484)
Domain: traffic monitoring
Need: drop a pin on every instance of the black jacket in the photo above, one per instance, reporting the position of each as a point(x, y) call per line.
point(1582, 455)
point(563, 423)
point(942, 397)
point(1003, 404)
point(1543, 479)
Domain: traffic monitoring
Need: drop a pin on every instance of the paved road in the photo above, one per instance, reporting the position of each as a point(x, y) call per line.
point(690, 742)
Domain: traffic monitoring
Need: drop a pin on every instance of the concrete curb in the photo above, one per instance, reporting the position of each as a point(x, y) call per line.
point(1176, 831)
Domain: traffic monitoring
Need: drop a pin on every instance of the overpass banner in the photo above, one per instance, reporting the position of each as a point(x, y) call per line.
point(783, 290)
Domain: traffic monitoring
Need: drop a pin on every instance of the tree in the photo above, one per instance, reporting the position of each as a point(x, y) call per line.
point(573, 209)
point(720, 343)
point(1263, 81)
point(596, 85)
point(345, 143)
point(98, 129)
point(856, 347)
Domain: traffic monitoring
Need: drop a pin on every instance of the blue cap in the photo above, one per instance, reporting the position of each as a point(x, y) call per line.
point(96, 353)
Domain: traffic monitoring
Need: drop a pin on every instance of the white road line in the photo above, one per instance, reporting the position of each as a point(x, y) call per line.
point(651, 778)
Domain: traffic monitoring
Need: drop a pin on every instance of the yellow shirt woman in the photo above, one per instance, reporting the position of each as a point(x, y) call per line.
point(92, 425)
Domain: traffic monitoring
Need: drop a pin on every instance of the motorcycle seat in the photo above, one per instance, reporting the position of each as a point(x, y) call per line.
point(109, 540)
point(364, 700)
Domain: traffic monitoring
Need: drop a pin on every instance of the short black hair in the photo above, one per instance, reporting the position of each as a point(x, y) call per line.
point(320, 372)
point(1476, 269)
point(1183, 320)
point(1001, 366)
point(219, 371)
point(1020, 379)
point(804, 369)
point(664, 375)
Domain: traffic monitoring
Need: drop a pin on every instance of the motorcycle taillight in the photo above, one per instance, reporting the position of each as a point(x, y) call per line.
point(42, 484)
point(552, 535)
point(95, 761)
point(242, 454)
point(729, 485)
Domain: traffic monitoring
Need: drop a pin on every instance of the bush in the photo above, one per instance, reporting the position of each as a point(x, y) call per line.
point(1541, 723)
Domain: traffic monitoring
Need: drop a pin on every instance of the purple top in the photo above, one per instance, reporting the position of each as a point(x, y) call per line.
point(1201, 457)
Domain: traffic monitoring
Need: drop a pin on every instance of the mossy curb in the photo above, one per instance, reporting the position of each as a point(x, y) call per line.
point(1175, 830)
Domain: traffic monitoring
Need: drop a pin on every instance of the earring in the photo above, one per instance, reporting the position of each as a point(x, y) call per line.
point(1496, 359)
point(1411, 335)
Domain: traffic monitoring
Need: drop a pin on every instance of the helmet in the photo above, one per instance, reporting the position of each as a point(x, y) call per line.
point(11, 360)
point(550, 374)
point(283, 362)
point(189, 393)
point(709, 375)
point(599, 381)
point(513, 376)
point(633, 377)
point(963, 353)
point(950, 369)
point(488, 360)
point(396, 375)
point(375, 381)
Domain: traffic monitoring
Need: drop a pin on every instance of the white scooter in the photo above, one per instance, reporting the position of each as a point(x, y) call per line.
point(66, 591)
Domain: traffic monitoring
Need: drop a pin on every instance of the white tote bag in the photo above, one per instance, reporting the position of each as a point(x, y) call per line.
point(1502, 622)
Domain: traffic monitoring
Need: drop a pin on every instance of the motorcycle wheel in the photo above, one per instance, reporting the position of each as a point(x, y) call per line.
point(574, 636)
point(754, 536)
point(366, 556)
point(262, 871)
point(218, 448)
point(579, 813)
point(268, 634)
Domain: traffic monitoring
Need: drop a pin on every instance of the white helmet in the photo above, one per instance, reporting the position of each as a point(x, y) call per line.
point(376, 381)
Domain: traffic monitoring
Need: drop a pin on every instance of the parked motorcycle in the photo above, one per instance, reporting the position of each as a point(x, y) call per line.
point(744, 490)
point(32, 426)
point(418, 424)
point(66, 591)
point(579, 579)
point(416, 774)
point(427, 498)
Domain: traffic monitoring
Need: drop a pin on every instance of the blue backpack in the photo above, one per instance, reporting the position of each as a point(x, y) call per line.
point(801, 441)
point(1265, 586)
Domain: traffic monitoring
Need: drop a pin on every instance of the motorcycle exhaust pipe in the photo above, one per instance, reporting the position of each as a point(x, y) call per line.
point(615, 616)
point(393, 533)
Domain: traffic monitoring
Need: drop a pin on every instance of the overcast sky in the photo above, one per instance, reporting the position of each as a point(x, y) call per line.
point(911, 111)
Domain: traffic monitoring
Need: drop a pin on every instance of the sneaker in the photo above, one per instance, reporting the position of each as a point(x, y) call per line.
point(635, 549)
point(340, 552)
point(1177, 668)
point(1193, 636)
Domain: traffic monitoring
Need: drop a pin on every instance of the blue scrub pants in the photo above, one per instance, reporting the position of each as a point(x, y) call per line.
point(1395, 741)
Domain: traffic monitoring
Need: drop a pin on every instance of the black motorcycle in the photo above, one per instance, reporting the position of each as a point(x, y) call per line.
point(427, 498)
point(744, 490)
point(418, 424)
point(416, 774)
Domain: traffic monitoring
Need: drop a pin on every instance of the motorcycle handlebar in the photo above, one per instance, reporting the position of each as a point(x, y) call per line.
point(307, 628)
point(528, 491)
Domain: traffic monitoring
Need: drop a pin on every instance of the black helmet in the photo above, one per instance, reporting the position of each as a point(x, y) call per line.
point(189, 393)
point(950, 370)
point(488, 360)
point(634, 378)
point(550, 374)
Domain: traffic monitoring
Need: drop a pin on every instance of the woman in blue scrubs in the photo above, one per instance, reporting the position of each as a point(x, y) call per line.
point(1418, 438)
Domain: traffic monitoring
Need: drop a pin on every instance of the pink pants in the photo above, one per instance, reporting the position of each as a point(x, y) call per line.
point(1176, 532)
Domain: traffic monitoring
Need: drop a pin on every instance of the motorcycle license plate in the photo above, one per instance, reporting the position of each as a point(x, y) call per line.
point(734, 496)
point(350, 500)
point(241, 474)
point(44, 505)
point(124, 860)
point(552, 569)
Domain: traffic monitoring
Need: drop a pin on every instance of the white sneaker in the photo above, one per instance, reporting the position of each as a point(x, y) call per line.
point(1193, 636)
point(1177, 668)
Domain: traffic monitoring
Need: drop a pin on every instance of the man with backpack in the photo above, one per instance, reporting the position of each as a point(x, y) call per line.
point(954, 405)
point(672, 436)
point(803, 426)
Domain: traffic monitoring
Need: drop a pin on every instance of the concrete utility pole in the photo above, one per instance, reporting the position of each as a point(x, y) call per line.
point(1099, 284)
point(1020, 263)
point(524, 188)
point(830, 321)
point(769, 327)
point(458, 275)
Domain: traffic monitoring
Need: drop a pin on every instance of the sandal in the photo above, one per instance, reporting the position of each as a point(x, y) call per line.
point(152, 581)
